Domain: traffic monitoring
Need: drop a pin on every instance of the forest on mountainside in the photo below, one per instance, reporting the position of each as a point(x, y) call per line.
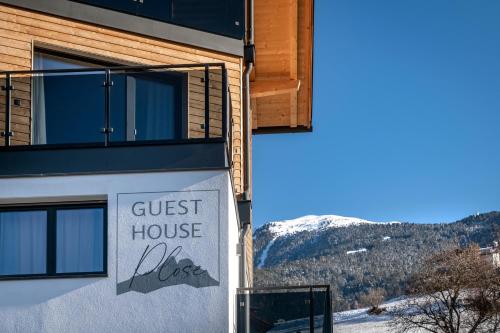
point(393, 253)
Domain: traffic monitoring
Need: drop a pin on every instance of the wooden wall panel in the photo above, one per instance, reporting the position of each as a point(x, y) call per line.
point(249, 255)
point(22, 30)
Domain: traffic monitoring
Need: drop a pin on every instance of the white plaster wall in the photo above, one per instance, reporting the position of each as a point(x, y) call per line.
point(92, 304)
point(233, 261)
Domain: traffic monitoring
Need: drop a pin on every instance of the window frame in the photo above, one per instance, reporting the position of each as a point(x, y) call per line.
point(51, 239)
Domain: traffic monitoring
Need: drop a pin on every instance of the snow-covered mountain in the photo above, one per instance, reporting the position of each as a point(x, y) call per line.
point(354, 255)
point(309, 223)
point(315, 223)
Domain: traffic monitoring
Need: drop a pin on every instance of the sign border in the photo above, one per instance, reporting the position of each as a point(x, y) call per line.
point(178, 191)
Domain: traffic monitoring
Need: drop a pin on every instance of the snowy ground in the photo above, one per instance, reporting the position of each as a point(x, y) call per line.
point(354, 321)
point(357, 321)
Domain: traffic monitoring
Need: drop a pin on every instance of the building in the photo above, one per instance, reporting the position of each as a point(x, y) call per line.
point(492, 254)
point(125, 156)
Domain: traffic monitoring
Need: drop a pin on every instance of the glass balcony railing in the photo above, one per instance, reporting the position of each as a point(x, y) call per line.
point(114, 106)
point(223, 17)
point(284, 309)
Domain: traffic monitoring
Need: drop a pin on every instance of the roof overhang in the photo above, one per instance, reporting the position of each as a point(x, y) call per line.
point(281, 83)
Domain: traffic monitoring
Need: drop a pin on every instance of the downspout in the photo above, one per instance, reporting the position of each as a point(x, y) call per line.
point(249, 59)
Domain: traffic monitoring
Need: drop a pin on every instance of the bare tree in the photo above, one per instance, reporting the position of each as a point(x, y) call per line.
point(455, 291)
point(373, 298)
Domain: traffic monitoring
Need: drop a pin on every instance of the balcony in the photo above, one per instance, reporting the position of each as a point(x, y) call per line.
point(223, 17)
point(115, 119)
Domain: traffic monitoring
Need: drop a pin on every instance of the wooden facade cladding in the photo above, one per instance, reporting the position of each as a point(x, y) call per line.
point(21, 31)
point(281, 87)
point(249, 255)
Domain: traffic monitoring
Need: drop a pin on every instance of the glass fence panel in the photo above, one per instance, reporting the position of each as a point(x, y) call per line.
point(68, 108)
point(321, 309)
point(166, 104)
point(282, 311)
point(148, 105)
point(2, 111)
point(20, 110)
point(224, 17)
point(198, 100)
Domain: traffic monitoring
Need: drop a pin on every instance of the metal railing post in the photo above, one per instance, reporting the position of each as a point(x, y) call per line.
point(7, 133)
point(107, 130)
point(311, 310)
point(327, 315)
point(207, 102)
point(225, 109)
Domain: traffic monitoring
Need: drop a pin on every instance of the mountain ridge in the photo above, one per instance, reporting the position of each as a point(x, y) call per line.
point(354, 255)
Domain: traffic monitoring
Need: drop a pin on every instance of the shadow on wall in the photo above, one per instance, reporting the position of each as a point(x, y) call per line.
point(32, 292)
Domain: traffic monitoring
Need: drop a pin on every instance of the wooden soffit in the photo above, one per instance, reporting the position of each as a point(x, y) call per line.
point(281, 83)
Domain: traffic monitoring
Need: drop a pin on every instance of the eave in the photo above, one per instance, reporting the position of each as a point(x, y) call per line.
point(281, 87)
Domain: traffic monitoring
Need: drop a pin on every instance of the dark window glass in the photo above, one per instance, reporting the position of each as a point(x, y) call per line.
point(53, 241)
point(23, 242)
point(224, 17)
point(79, 240)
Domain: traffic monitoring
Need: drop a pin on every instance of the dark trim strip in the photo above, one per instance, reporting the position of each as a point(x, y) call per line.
point(59, 276)
point(134, 24)
point(306, 287)
point(140, 158)
point(282, 130)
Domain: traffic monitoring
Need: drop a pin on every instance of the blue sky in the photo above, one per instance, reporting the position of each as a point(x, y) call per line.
point(406, 116)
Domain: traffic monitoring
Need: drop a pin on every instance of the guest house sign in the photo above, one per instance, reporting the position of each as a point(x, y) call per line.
point(165, 239)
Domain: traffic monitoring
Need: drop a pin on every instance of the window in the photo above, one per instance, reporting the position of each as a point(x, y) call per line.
point(69, 108)
point(51, 241)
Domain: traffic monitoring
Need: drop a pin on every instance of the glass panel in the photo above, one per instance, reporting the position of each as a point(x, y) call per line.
point(146, 106)
point(23, 242)
point(321, 321)
point(156, 9)
point(197, 98)
point(225, 17)
point(155, 108)
point(277, 311)
point(80, 240)
point(209, 15)
point(283, 311)
point(67, 107)
point(119, 5)
point(2, 109)
point(118, 108)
